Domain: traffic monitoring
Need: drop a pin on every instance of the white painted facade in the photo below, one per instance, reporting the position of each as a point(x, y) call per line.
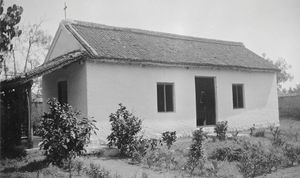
point(96, 89)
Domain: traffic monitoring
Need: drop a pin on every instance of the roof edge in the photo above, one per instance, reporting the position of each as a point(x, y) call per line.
point(177, 64)
point(149, 32)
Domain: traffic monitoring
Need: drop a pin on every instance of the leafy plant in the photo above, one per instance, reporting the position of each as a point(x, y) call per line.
point(235, 134)
point(221, 129)
point(124, 129)
point(229, 152)
point(252, 129)
point(277, 136)
point(196, 152)
point(8, 28)
point(95, 171)
point(256, 160)
point(169, 138)
point(292, 152)
point(64, 133)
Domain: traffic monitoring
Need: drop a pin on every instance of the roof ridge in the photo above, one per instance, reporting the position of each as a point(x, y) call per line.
point(152, 33)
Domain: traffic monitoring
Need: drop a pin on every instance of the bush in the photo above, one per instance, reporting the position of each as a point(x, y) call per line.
point(161, 158)
point(252, 129)
point(95, 171)
point(230, 151)
point(277, 136)
point(64, 134)
point(292, 153)
point(125, 127)
point(257, 161)
point(221, 129)
point(169, 138)
point(196, 152)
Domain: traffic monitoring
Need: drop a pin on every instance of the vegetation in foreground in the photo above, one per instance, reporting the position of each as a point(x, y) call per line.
point(262, 152)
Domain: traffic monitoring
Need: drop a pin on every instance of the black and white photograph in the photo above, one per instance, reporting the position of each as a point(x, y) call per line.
point(150, 88)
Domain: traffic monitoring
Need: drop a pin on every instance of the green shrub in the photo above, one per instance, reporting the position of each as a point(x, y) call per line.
point(256, 160)
point(196, 152)
point(221, 129)
point(169, 138)
point(64, 134)
point(124, 129)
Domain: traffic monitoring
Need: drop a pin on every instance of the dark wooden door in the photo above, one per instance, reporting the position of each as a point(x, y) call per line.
point(205, 101)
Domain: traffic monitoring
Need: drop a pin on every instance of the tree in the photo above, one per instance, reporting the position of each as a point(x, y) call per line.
point(283, 76)
point(8, 28)
point(64, 133)
point(38, 42)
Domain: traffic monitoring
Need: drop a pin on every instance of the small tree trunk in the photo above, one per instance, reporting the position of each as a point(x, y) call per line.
point(15, 66)
point(5, 69)
point(27, 56)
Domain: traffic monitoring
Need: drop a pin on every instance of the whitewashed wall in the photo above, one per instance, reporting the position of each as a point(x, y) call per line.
point(75, 75)
point(135, 87)
point(63, 42)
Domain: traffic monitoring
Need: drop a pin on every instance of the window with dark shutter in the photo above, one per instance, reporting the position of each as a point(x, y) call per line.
point(62, 88)
point(165, 100)
point(238, 96)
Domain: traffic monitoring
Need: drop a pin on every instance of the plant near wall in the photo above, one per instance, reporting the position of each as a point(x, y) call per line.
point(124, 129)
point(277, 139)
point(221, 129)
point(64, 133)
point(196, 152)
point(169, 138)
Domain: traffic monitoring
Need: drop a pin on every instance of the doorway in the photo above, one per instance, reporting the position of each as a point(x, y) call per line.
point(205, 101)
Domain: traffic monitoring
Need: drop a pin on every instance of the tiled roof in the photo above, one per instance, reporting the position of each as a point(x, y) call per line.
point(115, 43)
point(45, 68)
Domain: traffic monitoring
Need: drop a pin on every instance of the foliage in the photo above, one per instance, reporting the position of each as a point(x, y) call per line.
point(161, 158)
point(124, 129)
point(292, 153)
point(64, 134)
point(257, 160)
point(252, 129)
point(169, 138)
point(196, 152)
point(283, 75)
point(235, 134)
point(277, 136)
point(227, 151)
point(221, 129)
point(8, 28)
point(77, 166)
point(95, 171)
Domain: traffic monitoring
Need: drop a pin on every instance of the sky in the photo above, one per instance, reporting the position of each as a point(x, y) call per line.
point(264, 26)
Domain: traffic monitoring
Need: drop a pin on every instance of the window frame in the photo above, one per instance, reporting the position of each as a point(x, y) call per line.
point(164, 84)
point(235, 89)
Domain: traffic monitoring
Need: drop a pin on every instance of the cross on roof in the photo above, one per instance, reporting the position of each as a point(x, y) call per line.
point(65, 9)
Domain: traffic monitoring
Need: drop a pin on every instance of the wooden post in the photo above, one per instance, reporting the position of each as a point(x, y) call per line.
point(29, 102)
